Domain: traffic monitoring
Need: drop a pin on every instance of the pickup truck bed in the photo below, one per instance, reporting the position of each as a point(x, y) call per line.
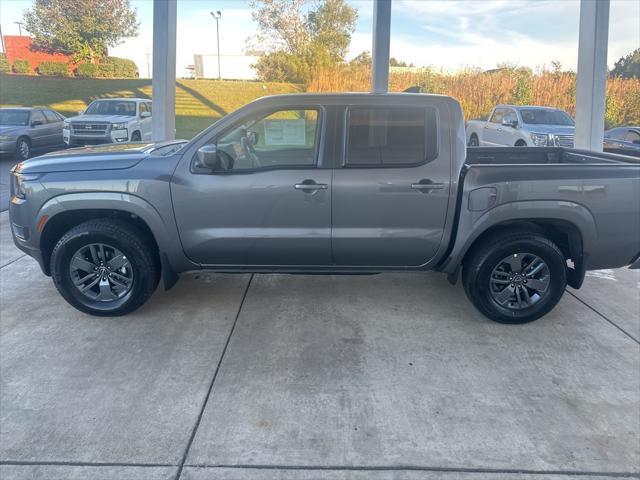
point(592, 197)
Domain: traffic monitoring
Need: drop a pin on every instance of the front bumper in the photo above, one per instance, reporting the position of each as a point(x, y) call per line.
point(111, 136)
point(8, 147)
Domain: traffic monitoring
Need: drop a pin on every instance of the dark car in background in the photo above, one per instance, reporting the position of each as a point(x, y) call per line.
point(623, 140)
point(23, 130)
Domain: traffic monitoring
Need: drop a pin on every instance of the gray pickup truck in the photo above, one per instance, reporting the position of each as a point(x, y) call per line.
point(329, 183)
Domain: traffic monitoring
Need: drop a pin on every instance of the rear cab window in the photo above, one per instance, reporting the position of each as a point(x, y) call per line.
point(391, 136)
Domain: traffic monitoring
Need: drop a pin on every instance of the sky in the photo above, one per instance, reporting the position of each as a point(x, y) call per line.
point(443, 34)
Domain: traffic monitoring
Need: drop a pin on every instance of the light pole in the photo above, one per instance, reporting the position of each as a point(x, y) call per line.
point(216, 16)
point(19, 27)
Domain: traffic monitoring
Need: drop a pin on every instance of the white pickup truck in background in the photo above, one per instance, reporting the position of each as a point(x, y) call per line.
point(110, 120)
point(522, 126)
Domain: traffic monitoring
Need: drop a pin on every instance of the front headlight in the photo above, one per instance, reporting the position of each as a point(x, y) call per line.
point(67, 124)
point(18, 185)
point(119, 126)
point(5, 138)
point(540, 139)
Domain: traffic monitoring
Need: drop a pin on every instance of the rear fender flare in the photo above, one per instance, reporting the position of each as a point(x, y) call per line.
point(469, 229)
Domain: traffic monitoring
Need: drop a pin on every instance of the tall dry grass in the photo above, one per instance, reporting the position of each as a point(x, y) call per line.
point(479, 91)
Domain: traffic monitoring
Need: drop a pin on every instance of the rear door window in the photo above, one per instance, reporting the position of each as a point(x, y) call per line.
point(632, 136)
point(388, 137)
point(37, 116)
point(51, 116)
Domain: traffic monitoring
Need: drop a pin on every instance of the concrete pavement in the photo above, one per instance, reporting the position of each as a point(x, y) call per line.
point(312, 377)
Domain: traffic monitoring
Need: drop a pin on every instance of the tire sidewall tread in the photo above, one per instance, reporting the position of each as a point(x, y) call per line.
point(483, 259)
point(121, 235)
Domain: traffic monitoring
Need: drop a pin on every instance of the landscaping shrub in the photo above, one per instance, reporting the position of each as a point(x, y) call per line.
point(105, 70)
point(87, 70)
point(122, 67)
point(22, 66)
point(55, 69)
point(4, 64)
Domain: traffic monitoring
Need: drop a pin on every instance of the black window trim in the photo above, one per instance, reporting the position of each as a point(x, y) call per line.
point(318, 141)
point(345, 148)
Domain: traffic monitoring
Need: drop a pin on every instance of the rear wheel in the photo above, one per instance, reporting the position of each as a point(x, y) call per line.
point(23, 148)
point(516, 278)
point(104, 267)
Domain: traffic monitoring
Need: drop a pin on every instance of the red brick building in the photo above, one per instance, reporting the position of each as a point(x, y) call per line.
point(21, 48)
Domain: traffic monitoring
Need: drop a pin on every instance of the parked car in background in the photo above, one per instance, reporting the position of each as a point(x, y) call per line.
point(623, 140)
point(23, 130)
point(112, 120)
point(522, 126)
point(265, 189)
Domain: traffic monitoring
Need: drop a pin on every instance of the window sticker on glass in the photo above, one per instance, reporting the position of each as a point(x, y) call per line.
point(284, 132)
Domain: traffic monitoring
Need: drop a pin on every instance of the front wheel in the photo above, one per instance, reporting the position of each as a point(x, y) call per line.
point(104, 267)
point(23, 148)
point(473, 141)
point(136, 137)
point(515, 278)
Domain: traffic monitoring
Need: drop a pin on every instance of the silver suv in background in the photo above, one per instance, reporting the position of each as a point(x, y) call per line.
point(522, 126)
point(113, 120)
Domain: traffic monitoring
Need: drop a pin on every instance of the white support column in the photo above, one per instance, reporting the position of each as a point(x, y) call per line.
point(592, 74)
point(380, 50)
point(164, 70)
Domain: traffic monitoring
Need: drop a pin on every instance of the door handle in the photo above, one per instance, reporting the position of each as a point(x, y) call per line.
point(310, 186)
point(427, 186)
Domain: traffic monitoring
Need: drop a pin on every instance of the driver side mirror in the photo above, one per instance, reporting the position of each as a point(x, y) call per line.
point(506, 122)
point(35, 123)
point(145, 114)
point(207, 157)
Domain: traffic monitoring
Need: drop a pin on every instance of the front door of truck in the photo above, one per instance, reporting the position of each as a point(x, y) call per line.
point(270, 206)
point(390, 195)
point(492, 133)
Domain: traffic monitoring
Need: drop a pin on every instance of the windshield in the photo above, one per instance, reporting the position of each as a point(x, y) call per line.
point(539, 116)
point(112, 107)
point(14, 117)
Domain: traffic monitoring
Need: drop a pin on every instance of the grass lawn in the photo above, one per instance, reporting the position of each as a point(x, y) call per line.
point(198, 102)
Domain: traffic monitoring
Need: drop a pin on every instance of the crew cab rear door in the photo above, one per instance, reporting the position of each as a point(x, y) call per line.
point(391, 193)
point(271, 205)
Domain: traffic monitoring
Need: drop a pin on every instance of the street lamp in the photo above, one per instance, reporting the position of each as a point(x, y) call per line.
point(216, 16)
point(20, 24)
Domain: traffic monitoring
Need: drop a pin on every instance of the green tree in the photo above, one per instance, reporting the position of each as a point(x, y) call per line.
point(299, 38)
point(628, 66)
point(363, 58)
point(83, 29)
point(394, 62)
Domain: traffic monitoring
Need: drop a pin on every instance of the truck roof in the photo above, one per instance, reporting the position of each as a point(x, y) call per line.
point(539, 107)
point(130, 99)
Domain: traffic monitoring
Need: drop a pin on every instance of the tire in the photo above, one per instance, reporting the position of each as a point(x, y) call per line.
point(521, 143)
point(473, 141)
point(23, 148)
point(504, 295)
point(135, 137)
point(129, 276)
